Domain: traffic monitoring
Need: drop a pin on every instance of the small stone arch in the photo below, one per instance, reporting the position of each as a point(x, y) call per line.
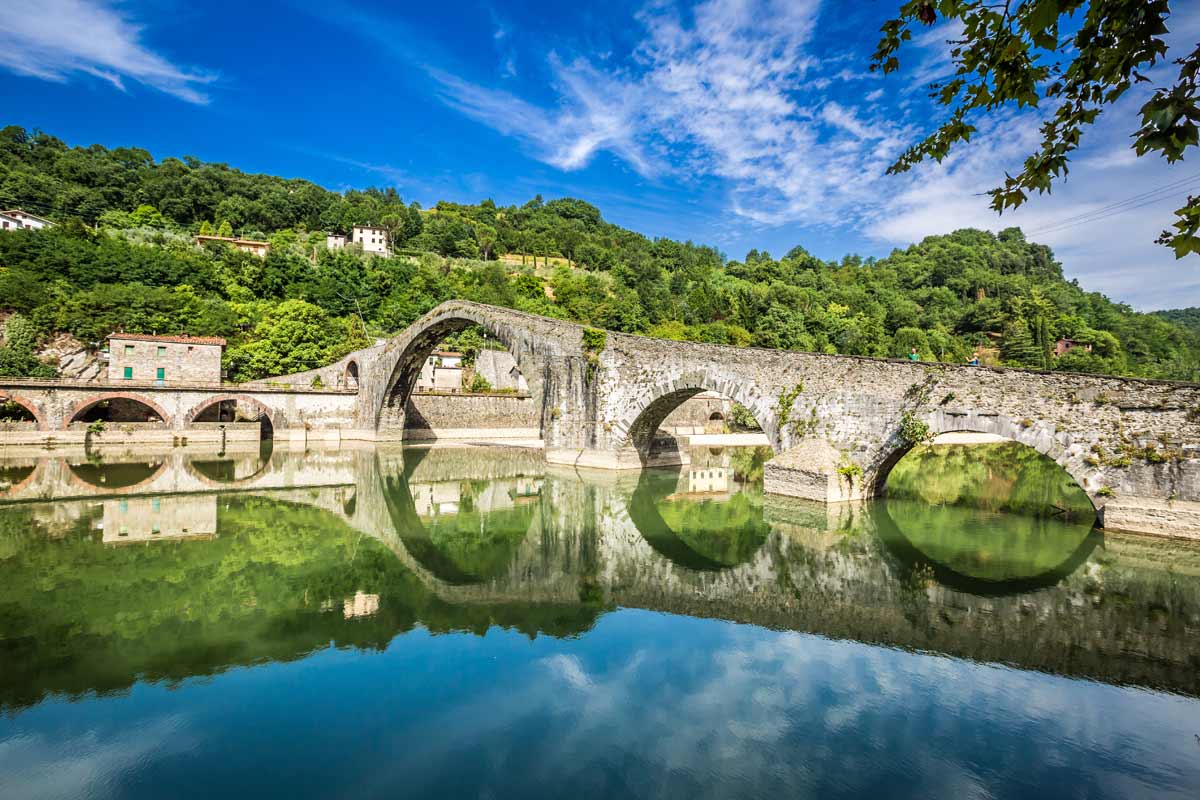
point(403, 359)
point(80, 407)
point(350, 377)
point(1030, 434)
point(642, 419)
point(274, 418)
point(28, 405)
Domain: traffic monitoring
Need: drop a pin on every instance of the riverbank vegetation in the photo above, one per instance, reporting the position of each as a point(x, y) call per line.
point(123, 257)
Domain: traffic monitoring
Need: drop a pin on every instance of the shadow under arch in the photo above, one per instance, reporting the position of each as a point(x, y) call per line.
point(129, 407)
point(1073, 549)
point(268, 418)
point(687, 547)
point(116, 475)
point(640, 423)
point(490, 554)
point(421, 341)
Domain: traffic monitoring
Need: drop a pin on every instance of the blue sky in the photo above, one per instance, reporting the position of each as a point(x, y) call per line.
point(738, 123)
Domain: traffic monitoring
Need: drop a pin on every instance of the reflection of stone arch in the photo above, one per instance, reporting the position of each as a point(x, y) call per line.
point(410, 530)
point(876, 474)
point(202, 470)
point(15, 489)
point(906, 556)
point(81, 475)
point(645, 516)
point(402, 360)
point(28, 405)
point(273, 417)
point(639, 423)
point(80, 407)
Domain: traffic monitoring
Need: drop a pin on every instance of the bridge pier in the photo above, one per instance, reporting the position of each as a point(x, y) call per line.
point(814, 470)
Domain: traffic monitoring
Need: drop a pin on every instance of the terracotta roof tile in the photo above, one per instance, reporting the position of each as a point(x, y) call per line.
point(146, 337)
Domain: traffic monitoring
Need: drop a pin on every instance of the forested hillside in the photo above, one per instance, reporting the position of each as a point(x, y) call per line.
point(1187, 317)
point(123, 257)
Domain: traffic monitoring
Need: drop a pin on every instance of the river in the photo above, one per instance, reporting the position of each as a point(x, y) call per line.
point(470, 622)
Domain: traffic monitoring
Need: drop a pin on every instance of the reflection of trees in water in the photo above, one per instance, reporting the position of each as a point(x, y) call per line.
point(77, 616)
point(1006, 476)
point(984, 551)
point(480, 544)
point(747, 464)
point(470, 544)
point(728, 532)
point(697, 533)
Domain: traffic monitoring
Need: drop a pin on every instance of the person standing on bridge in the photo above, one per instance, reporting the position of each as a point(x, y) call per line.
point(913, 355)
point(974, 362)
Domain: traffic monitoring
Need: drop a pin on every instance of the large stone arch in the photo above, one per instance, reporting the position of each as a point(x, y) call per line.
point(80, 406)
point(636, 427)
point(1033, 434)
point(274, 416)
point(400, 364)
point(28, 405)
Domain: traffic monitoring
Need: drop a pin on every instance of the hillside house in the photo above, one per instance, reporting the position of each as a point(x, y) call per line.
point(16, 219)
point(371, 239)
point(1064, 346)
point(164, 359)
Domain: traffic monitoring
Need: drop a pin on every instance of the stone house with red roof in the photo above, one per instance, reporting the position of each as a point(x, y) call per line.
point(140, 357)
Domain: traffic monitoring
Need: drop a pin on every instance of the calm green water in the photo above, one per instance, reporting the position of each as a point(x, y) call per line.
point(473, 623)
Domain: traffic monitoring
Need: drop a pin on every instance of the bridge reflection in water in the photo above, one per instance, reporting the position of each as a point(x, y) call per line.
point(267, 556)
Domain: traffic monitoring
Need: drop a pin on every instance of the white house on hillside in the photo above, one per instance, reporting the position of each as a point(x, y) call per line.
point(17, 219)
point(372, 239)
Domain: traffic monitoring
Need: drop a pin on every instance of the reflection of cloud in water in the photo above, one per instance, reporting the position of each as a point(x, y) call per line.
point(768, 713)
point(90, 764)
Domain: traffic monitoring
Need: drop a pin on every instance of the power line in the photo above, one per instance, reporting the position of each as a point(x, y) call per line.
point(1120, 206)
point(1115, 212)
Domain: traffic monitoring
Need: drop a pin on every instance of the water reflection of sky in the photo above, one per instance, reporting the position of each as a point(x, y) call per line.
point(645, 705)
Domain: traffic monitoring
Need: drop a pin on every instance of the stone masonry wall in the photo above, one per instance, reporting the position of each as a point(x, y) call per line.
point(428, 410)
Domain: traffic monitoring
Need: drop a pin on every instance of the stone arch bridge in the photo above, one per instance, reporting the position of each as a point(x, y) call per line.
point(837, 424)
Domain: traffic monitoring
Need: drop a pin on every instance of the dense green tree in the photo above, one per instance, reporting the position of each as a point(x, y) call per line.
point(292, 337)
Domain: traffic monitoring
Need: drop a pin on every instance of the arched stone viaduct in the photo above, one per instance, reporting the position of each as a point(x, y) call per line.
point(836, 423)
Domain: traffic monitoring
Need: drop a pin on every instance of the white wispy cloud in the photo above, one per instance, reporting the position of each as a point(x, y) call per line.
point(55, 39)
point(729, 90)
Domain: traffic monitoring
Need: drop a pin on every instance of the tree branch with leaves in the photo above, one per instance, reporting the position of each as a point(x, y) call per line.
point(1014, 53)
